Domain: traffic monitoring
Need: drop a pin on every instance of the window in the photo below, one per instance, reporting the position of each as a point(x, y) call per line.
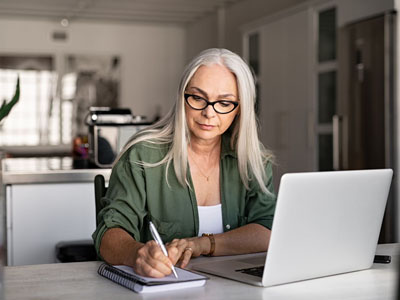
point(327, 35)
point(38, 119)
point(54, 102)
point(326, 86)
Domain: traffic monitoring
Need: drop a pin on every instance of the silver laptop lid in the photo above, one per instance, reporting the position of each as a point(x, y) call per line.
point(326, 223)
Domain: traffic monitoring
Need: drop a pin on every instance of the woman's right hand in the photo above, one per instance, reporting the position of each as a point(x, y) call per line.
point(119, 248)
point(150, 260)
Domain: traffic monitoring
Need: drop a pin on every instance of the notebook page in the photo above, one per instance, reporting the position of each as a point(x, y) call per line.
point(183, 275)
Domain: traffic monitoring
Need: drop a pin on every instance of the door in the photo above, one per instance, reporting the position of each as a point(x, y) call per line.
point(363, 128)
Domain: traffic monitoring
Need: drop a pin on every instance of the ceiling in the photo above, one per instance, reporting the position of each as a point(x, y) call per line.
point(164, 11)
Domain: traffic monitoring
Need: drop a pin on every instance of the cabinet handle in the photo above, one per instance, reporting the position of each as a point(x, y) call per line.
point(360, 72)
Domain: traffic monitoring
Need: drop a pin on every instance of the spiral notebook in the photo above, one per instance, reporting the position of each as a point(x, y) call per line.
point(126, 276)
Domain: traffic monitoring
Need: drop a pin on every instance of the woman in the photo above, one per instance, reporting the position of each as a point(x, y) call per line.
point(200, 175)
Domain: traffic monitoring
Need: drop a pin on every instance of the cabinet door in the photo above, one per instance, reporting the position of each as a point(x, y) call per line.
point(285, 97)
point(41, 215)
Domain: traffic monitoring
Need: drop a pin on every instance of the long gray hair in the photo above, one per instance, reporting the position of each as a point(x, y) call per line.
point(173, 130)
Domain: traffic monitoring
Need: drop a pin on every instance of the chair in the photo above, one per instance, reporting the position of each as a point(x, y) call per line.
point(75, 251)
point(99, 192)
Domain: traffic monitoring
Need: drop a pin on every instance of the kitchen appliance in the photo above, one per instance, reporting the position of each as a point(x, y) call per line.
point(109, 130)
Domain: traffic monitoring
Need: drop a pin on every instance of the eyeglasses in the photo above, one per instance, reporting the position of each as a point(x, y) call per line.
point(220, 106)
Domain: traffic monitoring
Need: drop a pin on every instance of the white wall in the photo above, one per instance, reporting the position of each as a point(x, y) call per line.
point(152, 56)
point(246, 11)
point(203, 33)
point(350, 11)
point(285, 92)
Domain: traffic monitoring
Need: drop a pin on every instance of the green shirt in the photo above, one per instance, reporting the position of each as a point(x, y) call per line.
point(137, 195)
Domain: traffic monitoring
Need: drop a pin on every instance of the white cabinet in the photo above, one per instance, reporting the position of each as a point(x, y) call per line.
point(285, 90)
point(40, 215)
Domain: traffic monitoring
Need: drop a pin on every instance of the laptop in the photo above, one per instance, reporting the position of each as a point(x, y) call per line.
point(325, 223)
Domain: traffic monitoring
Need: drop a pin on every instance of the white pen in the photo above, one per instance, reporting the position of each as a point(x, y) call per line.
point(159, 241)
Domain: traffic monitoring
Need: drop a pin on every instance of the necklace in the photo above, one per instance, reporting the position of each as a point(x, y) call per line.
point(202, 173)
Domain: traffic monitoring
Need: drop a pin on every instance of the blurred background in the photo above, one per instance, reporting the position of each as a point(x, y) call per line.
point(326, 79)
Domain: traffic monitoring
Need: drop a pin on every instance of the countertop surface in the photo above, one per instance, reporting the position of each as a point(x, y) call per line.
point(81, 281)
point(46, 170)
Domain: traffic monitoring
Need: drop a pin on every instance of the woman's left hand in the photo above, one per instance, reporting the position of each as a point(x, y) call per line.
point(187, 248)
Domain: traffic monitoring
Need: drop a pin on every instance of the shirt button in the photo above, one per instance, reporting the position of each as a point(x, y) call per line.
point(228, 226)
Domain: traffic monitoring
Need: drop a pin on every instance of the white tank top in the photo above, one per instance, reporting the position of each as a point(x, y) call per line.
point(210, 219)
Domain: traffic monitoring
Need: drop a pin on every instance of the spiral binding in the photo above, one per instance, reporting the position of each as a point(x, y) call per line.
point(118, 276)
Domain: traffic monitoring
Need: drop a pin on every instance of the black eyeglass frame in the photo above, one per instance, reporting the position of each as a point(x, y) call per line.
point(235, 103)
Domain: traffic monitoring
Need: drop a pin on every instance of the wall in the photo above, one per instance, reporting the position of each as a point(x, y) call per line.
point(152, 56)
point(285, 110)
point(203, 33)
point(247, 11)
point(354, 10)
point(200, 35)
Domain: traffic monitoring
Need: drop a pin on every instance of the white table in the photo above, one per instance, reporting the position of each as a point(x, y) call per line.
point(80, 281)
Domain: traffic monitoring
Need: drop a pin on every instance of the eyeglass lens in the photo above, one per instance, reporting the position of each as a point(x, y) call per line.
point(219, 106)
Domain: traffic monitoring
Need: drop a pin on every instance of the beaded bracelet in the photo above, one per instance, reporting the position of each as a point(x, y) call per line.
point(212, 241)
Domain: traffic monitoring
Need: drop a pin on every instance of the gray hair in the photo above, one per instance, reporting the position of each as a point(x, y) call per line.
point(173, 130)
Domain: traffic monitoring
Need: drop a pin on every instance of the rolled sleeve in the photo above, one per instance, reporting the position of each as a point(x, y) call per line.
point(124, 202)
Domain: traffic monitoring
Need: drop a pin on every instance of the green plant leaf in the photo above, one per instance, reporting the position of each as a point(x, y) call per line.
point(6, 107)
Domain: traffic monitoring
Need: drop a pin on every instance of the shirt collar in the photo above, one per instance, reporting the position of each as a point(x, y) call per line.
point(226, 146)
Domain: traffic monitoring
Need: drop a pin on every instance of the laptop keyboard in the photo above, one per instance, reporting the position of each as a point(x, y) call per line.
point(255, 271)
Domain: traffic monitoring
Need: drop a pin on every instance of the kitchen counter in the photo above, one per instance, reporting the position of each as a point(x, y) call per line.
point(46, 170)
point(47, 201)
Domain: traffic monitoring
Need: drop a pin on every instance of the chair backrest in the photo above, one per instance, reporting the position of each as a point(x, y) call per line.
point(99, 192)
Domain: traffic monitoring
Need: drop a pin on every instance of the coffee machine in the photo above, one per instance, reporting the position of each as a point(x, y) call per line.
point(109, 130)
